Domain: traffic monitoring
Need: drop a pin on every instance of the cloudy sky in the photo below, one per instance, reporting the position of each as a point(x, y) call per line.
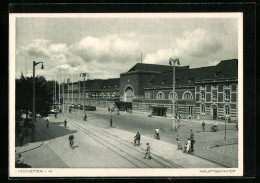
point(106, 47)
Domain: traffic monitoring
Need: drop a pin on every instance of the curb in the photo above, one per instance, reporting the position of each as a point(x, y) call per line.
point(30, 149)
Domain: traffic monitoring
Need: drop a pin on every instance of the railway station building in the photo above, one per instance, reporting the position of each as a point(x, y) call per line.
point(205, 92)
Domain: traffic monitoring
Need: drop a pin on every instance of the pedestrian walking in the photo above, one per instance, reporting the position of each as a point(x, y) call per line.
point(148, 152)
point(137, 138)
point(192, 142)
point(203, 125)
point(71, 140)
point(189, 117)
point(188, 146)
point(65, 123)
point(47, 122)
point(55, 115)
point(179, 143)
point(191, 134)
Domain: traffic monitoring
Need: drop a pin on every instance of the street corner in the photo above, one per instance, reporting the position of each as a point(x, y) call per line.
point(28, 147)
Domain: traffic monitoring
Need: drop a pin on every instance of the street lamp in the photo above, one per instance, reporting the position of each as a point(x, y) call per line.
point(173, 62)
point(111, 120)
point(33, 110)
point(225, 129)
point(84, 75)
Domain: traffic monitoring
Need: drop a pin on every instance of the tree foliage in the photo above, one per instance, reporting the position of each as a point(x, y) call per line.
point(24, 94)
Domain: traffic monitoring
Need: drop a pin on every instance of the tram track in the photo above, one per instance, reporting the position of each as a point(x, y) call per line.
point(117, 145)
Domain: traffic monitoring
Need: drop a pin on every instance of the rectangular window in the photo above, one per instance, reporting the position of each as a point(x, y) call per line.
point(203, 110)
point(214, 97)
point(203, 96)
point(147, 95)
point(227, 96)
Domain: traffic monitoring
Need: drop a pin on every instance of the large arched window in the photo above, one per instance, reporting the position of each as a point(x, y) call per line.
point(102, 95)
point(187, 95)
point(160, 95)
point(170, 96)
point(113, 95)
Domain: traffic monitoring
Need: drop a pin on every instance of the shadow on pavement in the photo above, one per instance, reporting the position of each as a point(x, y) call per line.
point(43, 133)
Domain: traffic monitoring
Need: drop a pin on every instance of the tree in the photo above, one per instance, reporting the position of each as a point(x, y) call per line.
point(24, 94)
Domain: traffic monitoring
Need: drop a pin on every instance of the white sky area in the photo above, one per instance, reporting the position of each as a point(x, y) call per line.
point(106, 47)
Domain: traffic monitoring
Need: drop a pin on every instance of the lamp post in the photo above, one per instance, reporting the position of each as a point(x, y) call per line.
point(59, 91)
point(84, 75)
point(225, 129)
point(111, 120)
point(33, 110)
point(173, 62)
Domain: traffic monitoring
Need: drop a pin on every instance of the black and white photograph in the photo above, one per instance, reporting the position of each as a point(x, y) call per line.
point(125, 94)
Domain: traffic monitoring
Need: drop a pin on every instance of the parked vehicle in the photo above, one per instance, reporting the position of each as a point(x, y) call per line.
point(90, 108)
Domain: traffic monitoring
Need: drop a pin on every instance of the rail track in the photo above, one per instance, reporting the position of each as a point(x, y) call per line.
point(130, 153)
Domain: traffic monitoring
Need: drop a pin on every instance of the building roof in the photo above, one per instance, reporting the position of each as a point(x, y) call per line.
point(154, 67)
point(111, 84)
point(226, 69)
point(96, 84)
point(185, 77)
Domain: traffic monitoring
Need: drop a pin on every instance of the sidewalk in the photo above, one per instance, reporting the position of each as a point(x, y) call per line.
point(205, 150)
point(27, 144)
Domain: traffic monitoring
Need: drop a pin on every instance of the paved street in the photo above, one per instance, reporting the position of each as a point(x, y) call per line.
point(95, 141)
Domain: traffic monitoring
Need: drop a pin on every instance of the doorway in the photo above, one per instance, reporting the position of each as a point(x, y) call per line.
point(215, 112)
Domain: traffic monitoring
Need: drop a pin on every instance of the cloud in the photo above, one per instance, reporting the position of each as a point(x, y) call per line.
point(103, 57)
point(106, 49)
point(191, 48)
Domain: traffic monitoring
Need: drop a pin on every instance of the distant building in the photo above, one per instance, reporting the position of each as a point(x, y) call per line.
point(210, 92)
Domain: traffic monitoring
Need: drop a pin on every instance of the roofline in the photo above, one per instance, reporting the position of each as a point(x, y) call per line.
point(216, 80)
point(138, 71)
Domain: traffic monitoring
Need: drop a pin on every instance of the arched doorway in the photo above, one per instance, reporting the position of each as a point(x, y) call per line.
point(215, 111)
point(129, 94)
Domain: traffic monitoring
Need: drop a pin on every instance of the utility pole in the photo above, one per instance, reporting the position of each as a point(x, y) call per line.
point(63, 94)
point(68, 93)
point(55, 92)
point(84, 75)
point(33, 109)
point(173, 62)
point(59, 92)
point(72, 102)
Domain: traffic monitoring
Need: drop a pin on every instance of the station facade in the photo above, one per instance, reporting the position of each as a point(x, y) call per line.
point(205, 92)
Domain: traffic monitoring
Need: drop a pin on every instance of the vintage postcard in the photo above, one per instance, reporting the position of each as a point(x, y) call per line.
point(125, 94)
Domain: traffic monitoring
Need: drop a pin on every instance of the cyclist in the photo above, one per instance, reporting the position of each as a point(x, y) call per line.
point(157, 135)
point(71, 139)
